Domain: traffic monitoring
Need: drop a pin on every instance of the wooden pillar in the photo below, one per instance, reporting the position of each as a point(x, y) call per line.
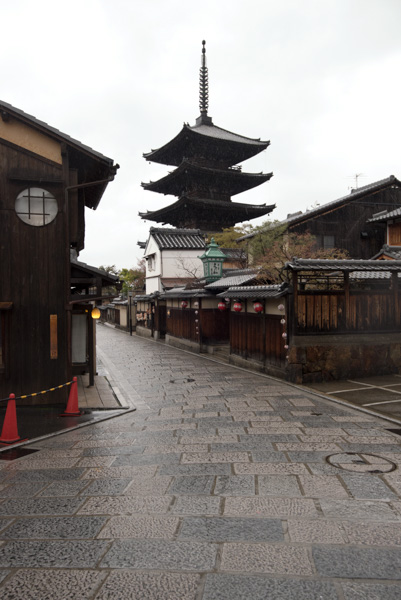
point(91, 351)
point(347, 301)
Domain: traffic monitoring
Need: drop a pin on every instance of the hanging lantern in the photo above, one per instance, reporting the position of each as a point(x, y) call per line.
point(286, 346)
point(237, 306)
point(184, 304)
point(258, 307)
point(221, 306)
point(284, 335)
point(95, 314)
point(282, 321)
point(281, 307)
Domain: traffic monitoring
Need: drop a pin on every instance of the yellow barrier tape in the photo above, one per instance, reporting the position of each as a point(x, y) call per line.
point(42, 392)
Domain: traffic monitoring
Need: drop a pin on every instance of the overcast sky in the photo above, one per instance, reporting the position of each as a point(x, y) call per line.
point(320, 79)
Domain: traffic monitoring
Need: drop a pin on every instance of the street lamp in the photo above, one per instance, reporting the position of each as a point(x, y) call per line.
point(129, 308)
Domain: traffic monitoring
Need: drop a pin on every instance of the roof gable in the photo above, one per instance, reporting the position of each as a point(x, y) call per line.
point(177, 239)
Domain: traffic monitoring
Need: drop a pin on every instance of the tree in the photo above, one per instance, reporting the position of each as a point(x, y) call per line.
point(277, 246)
point(133, 279)
point(110, 269)
point(229, 236)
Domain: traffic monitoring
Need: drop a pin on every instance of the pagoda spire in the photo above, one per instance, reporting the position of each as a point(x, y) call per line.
point(204, 89)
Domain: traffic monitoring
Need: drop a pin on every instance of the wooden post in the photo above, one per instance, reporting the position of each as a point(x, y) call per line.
point(347, 301)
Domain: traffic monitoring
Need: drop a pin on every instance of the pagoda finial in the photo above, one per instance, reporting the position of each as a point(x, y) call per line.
point(203, 83)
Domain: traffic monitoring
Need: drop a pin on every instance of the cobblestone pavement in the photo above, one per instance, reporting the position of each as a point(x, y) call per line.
point(219, 487)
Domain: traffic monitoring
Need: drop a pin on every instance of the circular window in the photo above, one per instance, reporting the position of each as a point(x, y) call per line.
point(36, 206)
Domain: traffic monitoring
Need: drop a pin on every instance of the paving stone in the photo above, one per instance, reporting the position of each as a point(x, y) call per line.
point(321, 486)
point(127, 472)
point(63, 488)
point(266, 558)
point(132, 585)
point(20, 490)
point(3, 575)
point(269, 457)
point(154, 486)
point(106, 487)
point(370, 591)
point(40, 506)
point(308, 447)
point(214, 457)
point(80, 554)
point(237, 587)
point(278, 485)
point(196, 505)
point(358, 509)
point(285, 430)
point(231, 529)
point(149, 554)
point(315, 532)
point(235, 485)
point(367, 486)
point(270, 468)
point(208, 439)
point(48, 585)
point(262, 441)
point(47, 475)
point(307, 457)
point(175, 448)
point(96, 461)
point(195, 469)
point(125, 505)
point(146, 459)
point(373, 534)
point(250, 445)
point(49, 463)
point(192, 485)
point(55, 527)
point(114, 451)
point(270, 507)
point(140, 527)
point(358, 563)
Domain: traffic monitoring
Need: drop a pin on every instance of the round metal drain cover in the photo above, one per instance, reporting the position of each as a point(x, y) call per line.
point(361, 462)
point(185, 380)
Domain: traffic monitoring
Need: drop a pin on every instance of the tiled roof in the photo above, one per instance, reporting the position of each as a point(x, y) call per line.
point(354, 195)
point(8, 108)
point(184, 293)
point(178, 239)
point(223, 134)
point(255, 291)
point(236, 278)
point(393, 252)
point(384, 216)
point(240, 210)
point(301, 264)
point(174, 282)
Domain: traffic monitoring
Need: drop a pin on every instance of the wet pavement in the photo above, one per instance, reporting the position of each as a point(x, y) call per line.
point(222, 485)
point(381, 394)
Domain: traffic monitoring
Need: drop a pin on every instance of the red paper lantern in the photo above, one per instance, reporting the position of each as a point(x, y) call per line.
point(184, 304)
point(258, 307)
point(221, 306)
point(237, 306)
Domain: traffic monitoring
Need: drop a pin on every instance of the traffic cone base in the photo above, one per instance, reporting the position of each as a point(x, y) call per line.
point(9, 432)
point(72, 409)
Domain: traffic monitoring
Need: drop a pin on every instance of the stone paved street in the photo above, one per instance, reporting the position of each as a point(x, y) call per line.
point(222, 485)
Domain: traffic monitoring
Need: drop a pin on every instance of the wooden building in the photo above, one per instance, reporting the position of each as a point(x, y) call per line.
point(334, 319)
point(207, 173)
point(346, 223)
point(47, 179)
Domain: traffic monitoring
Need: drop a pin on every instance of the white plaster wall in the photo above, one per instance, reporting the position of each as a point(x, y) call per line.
point(182, 263)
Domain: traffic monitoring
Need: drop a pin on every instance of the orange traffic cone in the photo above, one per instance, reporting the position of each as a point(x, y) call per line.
point(72, 409)
point(9, 433)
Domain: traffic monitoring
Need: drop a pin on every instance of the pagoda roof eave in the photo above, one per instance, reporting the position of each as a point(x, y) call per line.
point(230, 180)
point(238, 211)
point(173, 152)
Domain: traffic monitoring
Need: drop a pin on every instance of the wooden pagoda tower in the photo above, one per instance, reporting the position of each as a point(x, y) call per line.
point(206, 176)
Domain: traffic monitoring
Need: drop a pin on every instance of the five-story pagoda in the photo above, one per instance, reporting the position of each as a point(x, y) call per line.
point(206, 175)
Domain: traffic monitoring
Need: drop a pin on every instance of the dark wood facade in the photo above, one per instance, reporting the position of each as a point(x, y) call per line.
point(344, 223)
point(35, 265)
point(257, 337)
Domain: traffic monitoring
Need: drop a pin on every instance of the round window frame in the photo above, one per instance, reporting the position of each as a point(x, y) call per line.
point(30, 218)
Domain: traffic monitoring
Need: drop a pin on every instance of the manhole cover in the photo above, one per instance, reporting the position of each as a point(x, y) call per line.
point(361, 462)
point(185, 380)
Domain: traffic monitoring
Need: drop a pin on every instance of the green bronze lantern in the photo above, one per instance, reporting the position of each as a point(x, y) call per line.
point(212, 260)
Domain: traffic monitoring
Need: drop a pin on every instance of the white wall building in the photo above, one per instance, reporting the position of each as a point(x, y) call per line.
point(172, 258)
